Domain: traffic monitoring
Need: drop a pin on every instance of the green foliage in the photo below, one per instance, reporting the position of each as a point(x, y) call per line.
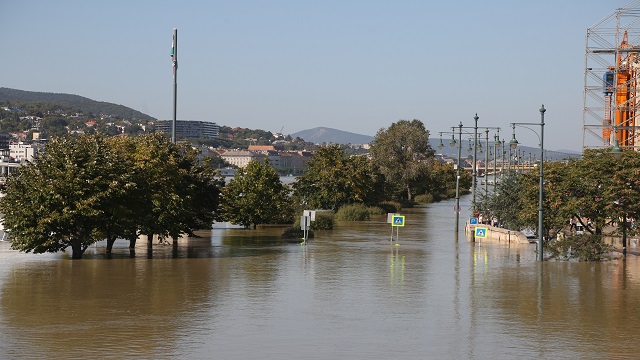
point(296, 233)
point(73, 188)
point(424, 199)
point(390, 206)
point(597, 188)
point(68, 101)
point(352, 212)
point(585, 247)
point(506, 198)
point(331, 180)
point(403, 154)
point(323, 221)
point(375, 210)
point(90, 188)
point(255, 196)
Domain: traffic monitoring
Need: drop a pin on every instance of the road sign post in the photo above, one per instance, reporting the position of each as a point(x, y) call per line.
point(396, 221)
point(480, 232)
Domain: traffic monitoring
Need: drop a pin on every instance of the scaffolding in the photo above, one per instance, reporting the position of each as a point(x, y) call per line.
point(612, 80)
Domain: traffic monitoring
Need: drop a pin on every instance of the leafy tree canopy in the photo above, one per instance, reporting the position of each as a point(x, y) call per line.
point(403, 154)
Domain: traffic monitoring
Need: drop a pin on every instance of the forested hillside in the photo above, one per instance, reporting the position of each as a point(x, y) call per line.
point(75, 102)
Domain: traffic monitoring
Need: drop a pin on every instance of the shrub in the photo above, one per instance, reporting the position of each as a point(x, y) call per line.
point(352, 212)
point(390, 206)
point(324, 221)
point(407, 204)
point(295, 233)
point(585, 247)
point(424, 199)
point(375, 210)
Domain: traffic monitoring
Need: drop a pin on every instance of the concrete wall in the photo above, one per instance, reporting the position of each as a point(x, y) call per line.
point(497, 234)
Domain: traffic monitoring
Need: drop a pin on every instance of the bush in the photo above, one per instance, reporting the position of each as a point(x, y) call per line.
point(324, 221)
point(353, 212)
point(585, 247)
point(390, 206)
point(408, 204)
point(295, 233)
point(375, 210)
point(424, 199)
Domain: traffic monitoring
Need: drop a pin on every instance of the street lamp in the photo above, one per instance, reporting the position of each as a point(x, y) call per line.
point(473, 147)
point(453, 143)
point(513, 144)
point(474, 172)
point(496, 145)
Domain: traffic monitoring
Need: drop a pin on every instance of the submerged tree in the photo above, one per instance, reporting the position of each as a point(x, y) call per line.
point(332, 180)
point(63, 198)
point(255, 196)
point(403, 153)
point(89, 188)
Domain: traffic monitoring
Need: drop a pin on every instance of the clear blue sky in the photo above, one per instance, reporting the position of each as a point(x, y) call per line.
point(353, 65)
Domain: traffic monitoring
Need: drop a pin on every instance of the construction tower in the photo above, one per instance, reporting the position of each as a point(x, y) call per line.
point(612, 80)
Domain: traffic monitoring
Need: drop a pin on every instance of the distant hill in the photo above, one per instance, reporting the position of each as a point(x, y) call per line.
point(75, 102)
point(321, 135)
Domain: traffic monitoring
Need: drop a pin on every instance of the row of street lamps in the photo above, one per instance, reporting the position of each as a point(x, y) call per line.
point(497, 143)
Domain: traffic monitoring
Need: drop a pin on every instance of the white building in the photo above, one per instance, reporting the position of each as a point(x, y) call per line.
point(22, 152)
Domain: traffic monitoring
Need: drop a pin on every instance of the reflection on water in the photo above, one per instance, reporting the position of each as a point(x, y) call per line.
point(349, 293)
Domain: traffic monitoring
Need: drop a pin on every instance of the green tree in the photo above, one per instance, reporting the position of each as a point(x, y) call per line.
point(88, 188)
point(180, 195)
point(332, 180)
point(254, 196)
point(402, 153)
point(63, 198)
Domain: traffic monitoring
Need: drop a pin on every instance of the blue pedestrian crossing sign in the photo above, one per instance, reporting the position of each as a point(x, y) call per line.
point(473, 221)
point(397, 220)
point(481, 232)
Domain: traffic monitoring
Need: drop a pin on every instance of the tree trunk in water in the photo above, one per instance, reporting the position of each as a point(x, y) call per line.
point(110, 242)
point(132, 243)
point(409, 195)
point(76, 248)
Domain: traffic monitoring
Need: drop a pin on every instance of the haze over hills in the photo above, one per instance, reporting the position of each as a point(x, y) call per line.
point(75, 102)
point(321, 135)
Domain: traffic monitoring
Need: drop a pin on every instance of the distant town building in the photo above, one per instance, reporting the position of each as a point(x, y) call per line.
point(22, 152)
point(288, 162)
point(189, 128)
point(241, 158)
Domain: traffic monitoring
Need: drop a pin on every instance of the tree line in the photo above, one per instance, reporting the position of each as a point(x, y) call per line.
point(600, 192)
point(90, 188)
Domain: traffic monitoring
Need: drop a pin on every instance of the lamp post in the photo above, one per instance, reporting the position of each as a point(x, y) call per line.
point(458, 176)
point(474, 172)
point(473, 147)
point(486, 162)
point(513, 144)
point(452, 143)
point(496, 147)
point(502, 160)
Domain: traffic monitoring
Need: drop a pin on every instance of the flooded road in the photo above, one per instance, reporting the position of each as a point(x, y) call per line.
point(348, 294)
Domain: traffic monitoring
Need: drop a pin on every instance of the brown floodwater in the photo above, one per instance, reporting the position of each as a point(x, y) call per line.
point(347, 294)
